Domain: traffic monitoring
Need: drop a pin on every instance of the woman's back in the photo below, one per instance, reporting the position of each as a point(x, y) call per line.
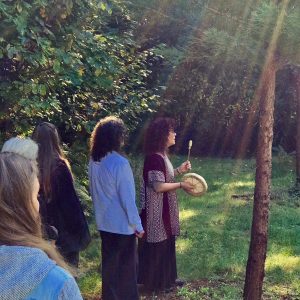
point(28, 273)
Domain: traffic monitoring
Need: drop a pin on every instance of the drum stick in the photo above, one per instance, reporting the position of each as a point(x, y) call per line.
point(190, 146)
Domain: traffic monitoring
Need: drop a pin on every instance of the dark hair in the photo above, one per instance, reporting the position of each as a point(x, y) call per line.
point(107, 136)
point(157, 133)
point(50, 151)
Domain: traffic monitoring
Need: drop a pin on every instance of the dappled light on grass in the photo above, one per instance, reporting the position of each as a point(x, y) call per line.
point(241, 184)
point(183, 245)
point(282, 291)
point(219, 220)
point(284, 262)
point(188, 213)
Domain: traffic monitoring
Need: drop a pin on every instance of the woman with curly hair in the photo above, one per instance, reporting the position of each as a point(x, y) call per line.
point(160, 214)
point(113, 194)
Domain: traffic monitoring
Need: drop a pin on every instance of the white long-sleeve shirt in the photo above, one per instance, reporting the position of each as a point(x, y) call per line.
point(113, 193)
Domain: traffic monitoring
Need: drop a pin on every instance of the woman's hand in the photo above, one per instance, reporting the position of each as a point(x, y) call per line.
point(184, 167)
point(187, 186)
point(139, 234)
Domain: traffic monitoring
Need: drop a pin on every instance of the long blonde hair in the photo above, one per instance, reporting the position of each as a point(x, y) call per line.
point(20, 225)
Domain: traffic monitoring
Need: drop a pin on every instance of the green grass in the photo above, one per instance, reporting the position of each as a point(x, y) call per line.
point(215, 234)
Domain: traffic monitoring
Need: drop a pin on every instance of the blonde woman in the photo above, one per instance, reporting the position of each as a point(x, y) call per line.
point(30, 267)
point(27, 148)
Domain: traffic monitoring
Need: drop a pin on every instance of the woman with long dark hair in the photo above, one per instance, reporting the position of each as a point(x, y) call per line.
point(160, 214)
point(113, 194)
point(30, 267)
point(60, 206)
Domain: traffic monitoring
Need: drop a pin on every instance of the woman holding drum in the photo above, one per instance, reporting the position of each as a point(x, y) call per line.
point(160, 214)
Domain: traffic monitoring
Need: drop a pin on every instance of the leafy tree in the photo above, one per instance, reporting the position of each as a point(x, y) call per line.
point(70, 62)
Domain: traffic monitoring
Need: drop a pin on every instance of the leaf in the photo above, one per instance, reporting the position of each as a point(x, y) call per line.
point(19, 8)
point(42, 89)
point(81, 71)
point(34, 88)
point(27, 89)
point(98, 72)
point(11, 51)
point(103, 6)
point(67, 58)
point(100, 38)
point(21, 23)
point(56, 66)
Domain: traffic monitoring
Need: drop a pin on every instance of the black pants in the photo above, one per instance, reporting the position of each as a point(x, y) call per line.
point(119, 278)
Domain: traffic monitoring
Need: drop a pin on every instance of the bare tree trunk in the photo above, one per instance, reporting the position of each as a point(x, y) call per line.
point(259, 231)
point(296, 80)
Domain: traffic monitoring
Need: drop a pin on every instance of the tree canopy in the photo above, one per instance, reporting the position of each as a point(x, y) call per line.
point(71, 62)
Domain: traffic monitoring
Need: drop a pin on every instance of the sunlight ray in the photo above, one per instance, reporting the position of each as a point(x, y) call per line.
point(254, 107)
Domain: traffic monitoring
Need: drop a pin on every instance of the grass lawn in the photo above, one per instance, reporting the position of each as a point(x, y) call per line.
point(215, 232)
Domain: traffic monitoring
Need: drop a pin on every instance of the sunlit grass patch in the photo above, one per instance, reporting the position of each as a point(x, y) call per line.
point(183, 245)
point(90, 285)
point(284, 261)
point(188, 213)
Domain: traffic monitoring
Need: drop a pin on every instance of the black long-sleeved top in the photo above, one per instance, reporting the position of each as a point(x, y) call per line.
point(64, 211)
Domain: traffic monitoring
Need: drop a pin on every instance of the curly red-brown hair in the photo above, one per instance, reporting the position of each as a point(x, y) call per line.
point(157, 133)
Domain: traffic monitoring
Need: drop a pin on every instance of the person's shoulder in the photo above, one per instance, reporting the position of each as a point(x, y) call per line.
point(153, 157)
point(70, 289)
point(119, 159)
point(58, 284)
point(61, 166)
point(59, 274)
point(154, 162)
point(62, 163)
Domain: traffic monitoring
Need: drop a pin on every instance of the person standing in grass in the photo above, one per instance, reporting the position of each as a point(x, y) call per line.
point(60, 205)
point(159, 214)
point(113, 193)
point(30, 267)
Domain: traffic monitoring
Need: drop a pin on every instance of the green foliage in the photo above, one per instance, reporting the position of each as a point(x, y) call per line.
point(70, 62)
